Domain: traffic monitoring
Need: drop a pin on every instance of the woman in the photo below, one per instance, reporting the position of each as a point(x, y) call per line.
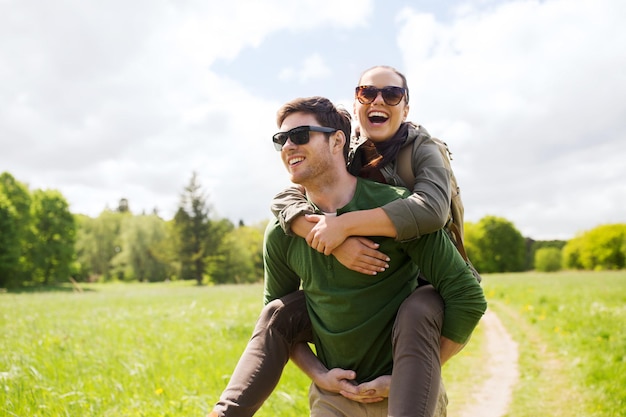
point(381, 107)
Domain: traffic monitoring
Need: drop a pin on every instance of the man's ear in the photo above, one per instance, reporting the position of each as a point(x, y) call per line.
point(338, 140)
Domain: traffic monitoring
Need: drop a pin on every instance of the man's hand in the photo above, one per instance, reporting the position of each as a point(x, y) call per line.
point(369, 392)
point(342, 381)
point(336, 380)
point(361, 255)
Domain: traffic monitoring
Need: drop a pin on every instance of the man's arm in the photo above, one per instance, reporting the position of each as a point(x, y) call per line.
point(448, 349)
point(280, 279)
point(334, 381)
point(338, 380)
point(448, 272)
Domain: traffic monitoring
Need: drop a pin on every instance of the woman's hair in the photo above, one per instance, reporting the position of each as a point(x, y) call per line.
point(324, 111)
point(401, 75)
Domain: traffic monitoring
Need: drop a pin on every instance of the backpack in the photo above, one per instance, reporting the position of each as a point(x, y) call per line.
point(454, 225)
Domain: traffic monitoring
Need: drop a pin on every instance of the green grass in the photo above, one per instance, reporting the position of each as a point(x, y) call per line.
point(129, 350)
point(169, 349)
point(571, 331)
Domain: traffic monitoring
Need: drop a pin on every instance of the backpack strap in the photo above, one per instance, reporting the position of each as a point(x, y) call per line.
point(405, 165)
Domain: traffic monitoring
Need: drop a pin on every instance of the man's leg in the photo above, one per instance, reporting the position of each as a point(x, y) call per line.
point(416, 374)
point(282, 323)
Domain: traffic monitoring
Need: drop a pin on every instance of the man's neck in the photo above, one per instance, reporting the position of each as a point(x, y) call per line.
point(332, 192)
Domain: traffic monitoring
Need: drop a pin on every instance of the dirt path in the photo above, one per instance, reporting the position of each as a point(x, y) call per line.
point(492, 398)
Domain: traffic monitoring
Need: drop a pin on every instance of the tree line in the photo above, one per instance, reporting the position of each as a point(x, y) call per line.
point(42, 243)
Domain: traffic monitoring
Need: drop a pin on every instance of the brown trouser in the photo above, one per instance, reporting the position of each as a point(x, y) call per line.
point(416, 374)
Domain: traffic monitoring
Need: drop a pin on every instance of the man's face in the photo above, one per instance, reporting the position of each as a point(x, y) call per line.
point(308, 162)
point(378, 120)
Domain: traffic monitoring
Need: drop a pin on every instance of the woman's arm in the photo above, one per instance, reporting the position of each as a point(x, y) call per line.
point(289, 205)
point(325, 233)
point(425, 211)
point(463, 297)
point(356, 253)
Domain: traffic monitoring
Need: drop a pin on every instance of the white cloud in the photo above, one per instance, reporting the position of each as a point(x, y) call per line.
point(114, 99)
point(530, 96)
point(312, 68)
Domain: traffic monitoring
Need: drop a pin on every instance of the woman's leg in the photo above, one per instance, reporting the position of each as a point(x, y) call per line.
point(416, 374)
point(282, 323)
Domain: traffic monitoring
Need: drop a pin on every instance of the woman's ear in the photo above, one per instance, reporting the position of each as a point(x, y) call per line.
point(405, 113)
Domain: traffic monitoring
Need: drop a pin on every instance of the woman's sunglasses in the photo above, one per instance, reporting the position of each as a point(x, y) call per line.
point(366, 94)
point(298, 135)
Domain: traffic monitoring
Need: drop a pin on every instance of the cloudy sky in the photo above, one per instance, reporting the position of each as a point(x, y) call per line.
point(113, 99)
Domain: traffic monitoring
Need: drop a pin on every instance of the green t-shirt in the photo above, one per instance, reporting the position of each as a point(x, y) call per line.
point(352, 314)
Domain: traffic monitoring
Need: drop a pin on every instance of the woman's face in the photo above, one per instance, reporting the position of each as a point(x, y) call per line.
point(379, 121)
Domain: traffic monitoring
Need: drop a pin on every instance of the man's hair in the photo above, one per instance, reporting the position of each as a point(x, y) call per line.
point(324, 111)
point(398, 73)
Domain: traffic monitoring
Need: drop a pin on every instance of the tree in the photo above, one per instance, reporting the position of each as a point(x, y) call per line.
point(536, 245)
point(548, 259)
point(123, 206)
point(83, 269)
point(54, 231)
point(240, 257)
point(572, 253)
point(141, 237)
point(9, 242)
point(495, 245)
point(98, 241)
point(193, 228)
point(601, 248)
point(15, 233)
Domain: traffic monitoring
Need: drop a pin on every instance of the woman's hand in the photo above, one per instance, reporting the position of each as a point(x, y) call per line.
point(326, 234)
point(361, 255)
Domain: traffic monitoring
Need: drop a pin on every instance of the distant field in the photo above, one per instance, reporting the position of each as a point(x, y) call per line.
point(168, 349)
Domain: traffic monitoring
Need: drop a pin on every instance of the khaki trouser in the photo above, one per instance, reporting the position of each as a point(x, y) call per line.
point(328, 404)
point(416, 374)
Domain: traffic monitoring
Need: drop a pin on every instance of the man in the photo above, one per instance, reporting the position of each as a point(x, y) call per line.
point(356, 321)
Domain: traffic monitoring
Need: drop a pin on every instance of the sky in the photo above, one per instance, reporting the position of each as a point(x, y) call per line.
point(104, 100)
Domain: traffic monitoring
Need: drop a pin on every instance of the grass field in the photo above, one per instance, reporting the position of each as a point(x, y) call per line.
point(571, 332)
point(168, 349)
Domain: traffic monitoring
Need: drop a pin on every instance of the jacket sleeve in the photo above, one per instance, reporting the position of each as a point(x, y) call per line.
point(428, 207)
point(463, 297)
point(289, 204)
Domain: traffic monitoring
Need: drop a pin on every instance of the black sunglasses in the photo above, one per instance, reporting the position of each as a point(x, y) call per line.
point(392, 95)
point(298, 135)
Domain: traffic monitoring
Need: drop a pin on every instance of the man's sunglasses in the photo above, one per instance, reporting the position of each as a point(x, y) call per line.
point(298, 135)
point(366, 94)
